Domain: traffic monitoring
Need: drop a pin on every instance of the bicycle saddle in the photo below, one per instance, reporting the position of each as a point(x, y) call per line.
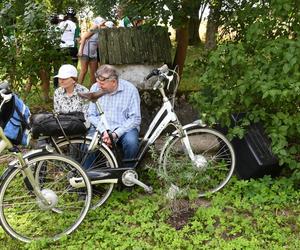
point(92, 96)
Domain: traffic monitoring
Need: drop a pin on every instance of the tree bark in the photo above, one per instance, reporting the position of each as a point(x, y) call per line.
point(213, 25)
point(195, 20)
point(194, 38)
point(182, 35)
point(44, 76)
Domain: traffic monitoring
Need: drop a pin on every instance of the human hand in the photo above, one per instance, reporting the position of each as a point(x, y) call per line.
point(106, 138)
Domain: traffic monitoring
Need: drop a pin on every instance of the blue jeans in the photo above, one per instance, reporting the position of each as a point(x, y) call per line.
point(129, 143)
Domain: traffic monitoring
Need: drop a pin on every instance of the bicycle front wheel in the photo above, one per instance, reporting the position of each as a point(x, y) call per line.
point(99, 158)
point(25, 217)
point(208, 172)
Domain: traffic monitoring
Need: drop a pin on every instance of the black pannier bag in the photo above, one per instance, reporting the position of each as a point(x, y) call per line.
point(51, 124)
point(254, 157)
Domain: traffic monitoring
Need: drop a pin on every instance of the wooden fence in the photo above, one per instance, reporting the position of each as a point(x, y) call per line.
point(136, 45)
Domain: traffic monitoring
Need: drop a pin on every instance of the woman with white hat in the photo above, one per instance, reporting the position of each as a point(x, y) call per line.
point(66, 97)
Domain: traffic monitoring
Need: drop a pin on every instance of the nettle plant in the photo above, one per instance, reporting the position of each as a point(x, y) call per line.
point(258, 74)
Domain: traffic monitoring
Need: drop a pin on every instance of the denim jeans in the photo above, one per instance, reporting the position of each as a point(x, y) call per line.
point(128, 142)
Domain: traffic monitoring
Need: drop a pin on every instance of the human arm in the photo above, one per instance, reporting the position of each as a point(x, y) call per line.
point(92, 112)
point(84, 103)
point(86, 35)
point(56, 101)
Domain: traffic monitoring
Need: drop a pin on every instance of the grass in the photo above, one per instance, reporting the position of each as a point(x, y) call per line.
point(256, 214)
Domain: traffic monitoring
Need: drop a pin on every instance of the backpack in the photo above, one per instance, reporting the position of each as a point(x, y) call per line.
point(16, 127)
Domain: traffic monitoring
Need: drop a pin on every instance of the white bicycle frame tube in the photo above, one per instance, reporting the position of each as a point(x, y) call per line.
point(103, 121)
point(152, 134)
point(171, 116)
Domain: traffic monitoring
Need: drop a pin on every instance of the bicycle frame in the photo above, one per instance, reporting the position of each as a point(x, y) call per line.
point(156, 128)
point(27, 172)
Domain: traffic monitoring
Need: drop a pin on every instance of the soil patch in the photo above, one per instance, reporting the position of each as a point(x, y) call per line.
point(183, 210)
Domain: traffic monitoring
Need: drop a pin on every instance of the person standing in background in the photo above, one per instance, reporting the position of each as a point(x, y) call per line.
point(70, 35)
point(69, 39)
point(88, 50)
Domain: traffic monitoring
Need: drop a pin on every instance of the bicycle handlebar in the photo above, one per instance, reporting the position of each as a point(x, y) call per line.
point(155, 72)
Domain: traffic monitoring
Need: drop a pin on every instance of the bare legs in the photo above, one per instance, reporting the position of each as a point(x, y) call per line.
point(93, 68)
point(85, 64)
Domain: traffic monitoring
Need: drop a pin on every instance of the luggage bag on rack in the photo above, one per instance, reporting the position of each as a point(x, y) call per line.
point(51, 124)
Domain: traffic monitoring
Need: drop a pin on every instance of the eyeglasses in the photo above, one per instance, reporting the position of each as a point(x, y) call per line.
point(103, 79)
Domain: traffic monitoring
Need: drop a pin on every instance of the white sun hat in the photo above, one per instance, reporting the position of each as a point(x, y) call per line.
point(66, 71)
point(99, 20)
point(109, 24)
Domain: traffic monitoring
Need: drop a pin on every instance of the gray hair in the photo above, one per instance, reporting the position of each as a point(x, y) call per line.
point(108, 70)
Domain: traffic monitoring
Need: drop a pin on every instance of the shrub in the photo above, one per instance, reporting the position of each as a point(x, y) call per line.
point(258, 73)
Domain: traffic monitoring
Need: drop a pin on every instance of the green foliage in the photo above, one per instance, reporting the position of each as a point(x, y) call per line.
point(61, 6)
point(175, 13)
point(29, 42)
point(38, 40)
point(258, 73)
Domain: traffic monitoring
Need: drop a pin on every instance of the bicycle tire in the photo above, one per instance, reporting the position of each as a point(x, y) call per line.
point(215, 158)
point(104, 159)
point(22, 214)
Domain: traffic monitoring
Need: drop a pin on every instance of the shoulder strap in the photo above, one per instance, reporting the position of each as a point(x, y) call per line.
point(22, 117)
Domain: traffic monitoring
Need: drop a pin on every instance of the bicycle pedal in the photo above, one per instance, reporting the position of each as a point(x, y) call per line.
point(130, 178)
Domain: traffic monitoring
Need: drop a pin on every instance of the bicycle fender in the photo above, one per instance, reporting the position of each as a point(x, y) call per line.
point(25, 156)
point(6, 173)
point(107, 148)
point(192, 125)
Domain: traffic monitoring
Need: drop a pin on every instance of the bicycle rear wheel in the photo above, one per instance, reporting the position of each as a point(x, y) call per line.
point(25, 217)
point(99, 158)
point(211, 169)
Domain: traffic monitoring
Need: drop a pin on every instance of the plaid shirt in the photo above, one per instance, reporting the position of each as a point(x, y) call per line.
point(65, 104)
point(121, 108)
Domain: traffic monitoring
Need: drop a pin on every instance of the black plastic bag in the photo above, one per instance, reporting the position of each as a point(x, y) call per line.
point(50, 124)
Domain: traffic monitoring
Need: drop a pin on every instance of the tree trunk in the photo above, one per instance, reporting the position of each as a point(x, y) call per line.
point(194, 38)
point(195, 20)
point(44, 76)
point(213, 25)
point(182, 36)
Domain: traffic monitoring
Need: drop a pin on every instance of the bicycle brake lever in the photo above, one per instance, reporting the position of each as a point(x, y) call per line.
point(170, 79)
